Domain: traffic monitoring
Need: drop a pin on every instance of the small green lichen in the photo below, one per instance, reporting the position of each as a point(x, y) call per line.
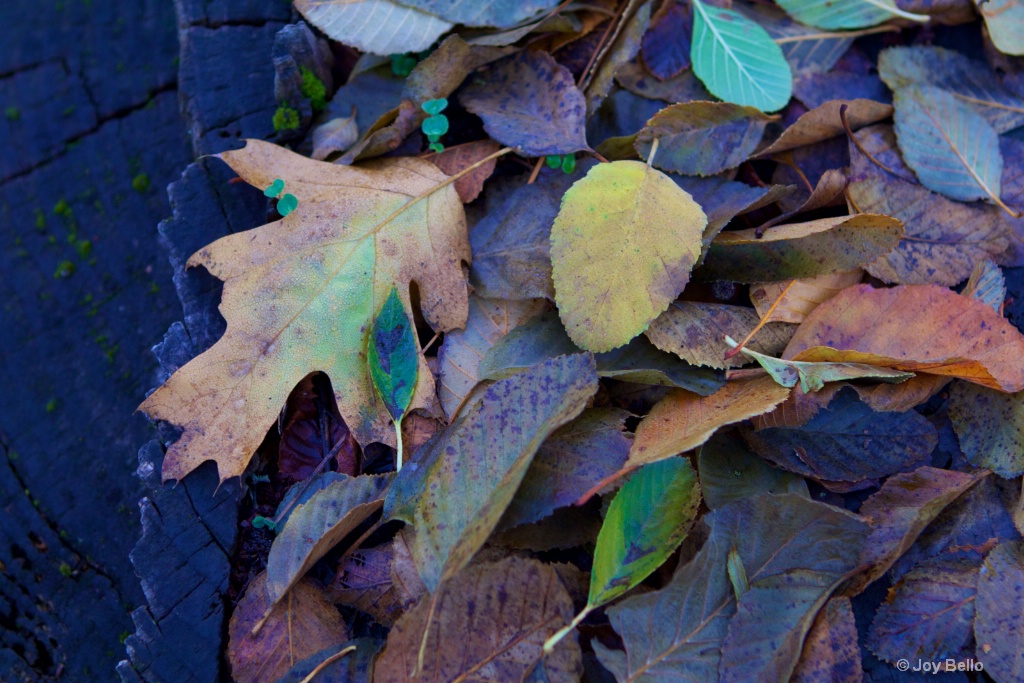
point(402, 65)
point(313, 88)
point(65, 269)
point(51, 405)
point(124, 636)
point(66, 571)
point(12, 113)
point(285, 118)
point(140, 183)
point(83, 247)
point(40, 219)
point(62, 209)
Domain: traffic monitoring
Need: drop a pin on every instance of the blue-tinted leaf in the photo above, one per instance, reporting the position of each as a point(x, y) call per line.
point(392, 356)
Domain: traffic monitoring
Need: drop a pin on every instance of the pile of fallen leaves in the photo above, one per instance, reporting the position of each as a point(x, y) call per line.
point(584, 364)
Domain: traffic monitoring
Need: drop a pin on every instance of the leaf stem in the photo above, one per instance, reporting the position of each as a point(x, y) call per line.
point(327, 662)
point(766, 318)
point(398, 435)
point(856, 142)
point(557, 636)
point(654, 150)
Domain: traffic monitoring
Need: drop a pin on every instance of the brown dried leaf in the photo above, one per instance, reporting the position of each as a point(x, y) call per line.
point(454, 159)
point(298, 627)
point(822, 123)
point(311, 428)
point(918, 328)
point(489, 625)
point(696, 333)
point(683, 420)
point(831, 651)
point(795, 299)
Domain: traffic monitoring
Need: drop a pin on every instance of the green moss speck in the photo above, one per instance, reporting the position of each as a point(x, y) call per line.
point(83, 247)
point(12, 454)
point(66, 571)
point(62, 209)
point(40, 219)
point(140, 183)
point(12, 113)
point(285, 118)
point(313, 88)
point(124, 636)
point(51, 405)
point(64, 269)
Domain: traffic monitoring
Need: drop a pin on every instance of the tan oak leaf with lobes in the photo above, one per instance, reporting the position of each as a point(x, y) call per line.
point(300, 294)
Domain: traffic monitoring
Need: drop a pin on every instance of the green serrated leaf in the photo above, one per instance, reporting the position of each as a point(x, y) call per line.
point(392, 356)
point(646, 522)
point(737, 60)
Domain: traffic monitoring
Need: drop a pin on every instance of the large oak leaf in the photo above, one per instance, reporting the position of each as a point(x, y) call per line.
point(300, 294)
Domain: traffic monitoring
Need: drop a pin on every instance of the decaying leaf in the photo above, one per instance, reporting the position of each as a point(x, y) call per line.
point(570, 462)
point(521, 109)
point(943, 239)
point(990, 426)
point(693, 628)
point(319, 524)
point(696, 332)
point(929, 614)
point(966, 338)
point(824, 122)
point(848, 442)
point(827, 245)
point(454, 159)
point(729, 471)
point(953, 150)
point(701, 138)
point(488, 627)
point(300, 293)
point(646, 522)
point(999, 625)
point(296, 628)
point(622, 248)
point(791, 301)
point(311, 429)
point(899, 512)
point(831, 651)
point(460, 355)
point(457, 490)
point(683, 420)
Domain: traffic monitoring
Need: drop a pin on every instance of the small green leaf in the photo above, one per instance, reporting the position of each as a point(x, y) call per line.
point(275, 188)
point(287, 204)
point(737, 60)
point(646, 522)
point(435, 106)
point(568, 163)
point(737, 574)
point(393, 357)
point(261, 522)
point(436, 147)
point(435, 125)
point(553, 160)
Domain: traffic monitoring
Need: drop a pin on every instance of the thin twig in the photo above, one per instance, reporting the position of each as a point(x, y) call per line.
point(764, 320)
point(327, 662)
point(856, 142)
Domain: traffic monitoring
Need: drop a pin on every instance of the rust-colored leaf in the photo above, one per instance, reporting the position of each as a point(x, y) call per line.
point(455, 159)
point(918, 328)
point(311, 429)
point(297, 627)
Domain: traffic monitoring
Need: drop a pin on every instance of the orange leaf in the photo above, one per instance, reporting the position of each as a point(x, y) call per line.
point(920, 328)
